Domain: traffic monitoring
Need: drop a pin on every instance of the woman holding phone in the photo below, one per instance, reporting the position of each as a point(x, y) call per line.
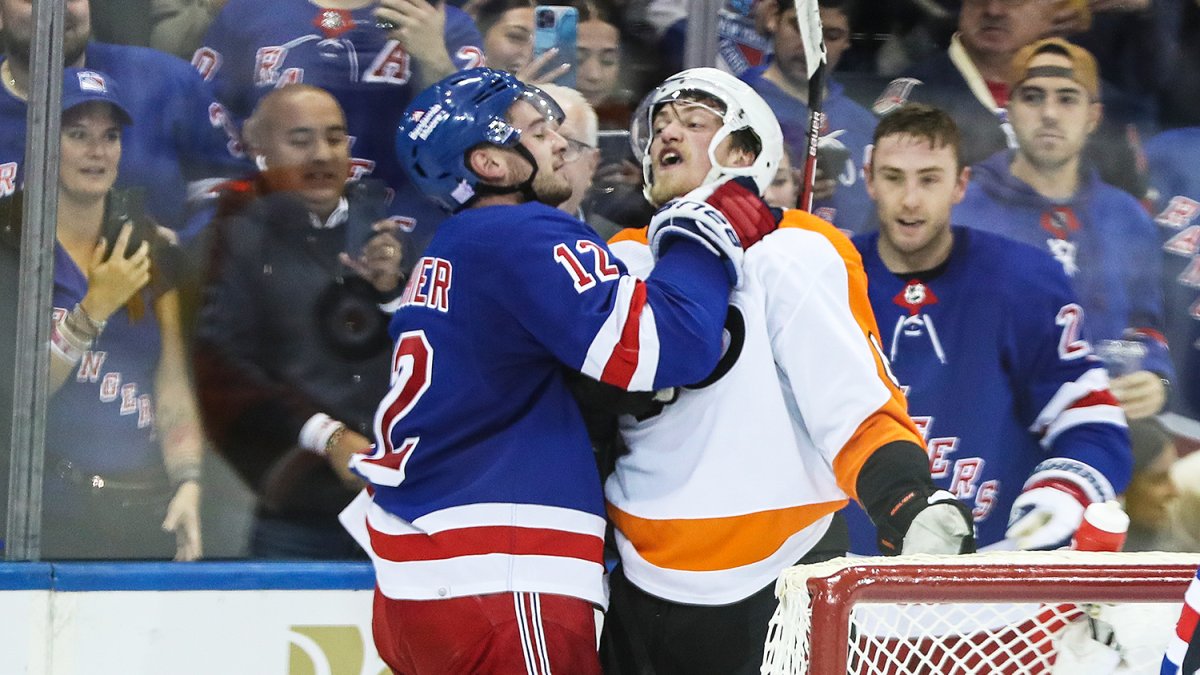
point(123, 442)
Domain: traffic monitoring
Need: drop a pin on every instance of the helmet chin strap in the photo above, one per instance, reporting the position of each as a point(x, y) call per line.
point(525, 188)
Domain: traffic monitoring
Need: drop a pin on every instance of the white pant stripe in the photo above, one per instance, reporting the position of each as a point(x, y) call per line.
point(523, 628)
point(540, 633)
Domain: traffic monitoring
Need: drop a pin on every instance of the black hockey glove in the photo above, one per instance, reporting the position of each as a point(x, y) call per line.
point(926, 522)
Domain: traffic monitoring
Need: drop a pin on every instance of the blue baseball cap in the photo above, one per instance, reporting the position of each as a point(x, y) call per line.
point(81, 85)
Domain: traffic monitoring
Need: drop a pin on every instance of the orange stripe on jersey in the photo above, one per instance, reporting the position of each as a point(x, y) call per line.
point(687, 543)
point(891, 421)
point(635, 234)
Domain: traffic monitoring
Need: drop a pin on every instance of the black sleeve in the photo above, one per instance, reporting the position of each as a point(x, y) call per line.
point(889, 473)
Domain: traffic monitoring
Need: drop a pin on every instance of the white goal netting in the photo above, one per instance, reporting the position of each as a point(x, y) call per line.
point(1010, 613)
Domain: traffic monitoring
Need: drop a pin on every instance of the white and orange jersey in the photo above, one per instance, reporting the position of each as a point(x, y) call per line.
point(738, 478)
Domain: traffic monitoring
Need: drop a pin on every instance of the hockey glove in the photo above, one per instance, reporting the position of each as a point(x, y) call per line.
point(1046, 515)
point(702, 216)
point(924, 522)
point(739, 200)
point(1044, 518)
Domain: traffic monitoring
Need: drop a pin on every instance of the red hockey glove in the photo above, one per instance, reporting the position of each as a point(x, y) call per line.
point(739, 200)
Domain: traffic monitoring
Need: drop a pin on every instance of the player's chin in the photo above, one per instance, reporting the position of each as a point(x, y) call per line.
point(552, 193)
point(664, 188)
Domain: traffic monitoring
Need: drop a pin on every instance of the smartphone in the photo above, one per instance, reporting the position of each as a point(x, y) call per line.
point(555, 26)
point(614, 146)
point(126, 206)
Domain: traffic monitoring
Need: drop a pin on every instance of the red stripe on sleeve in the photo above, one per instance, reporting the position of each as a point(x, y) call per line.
point(1062, 486)
point(484, 540)
point(1104, 397)
point(1186, 627)
point(624, 359)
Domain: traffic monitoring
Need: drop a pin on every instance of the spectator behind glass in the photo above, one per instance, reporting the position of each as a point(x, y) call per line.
point(581, 156)
point(970, 79)
point(349, 50)
point(179, 142)
point(986, 336)
point(1046, 195)
point(1151, 493)
point(123, 442)
point(1175, 177)
point(601, 78)
point(840, 196)
point(784, 190)
point(507, 28)
point(292, 349)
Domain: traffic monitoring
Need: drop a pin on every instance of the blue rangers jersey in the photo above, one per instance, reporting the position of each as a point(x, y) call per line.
point(846, 125)
point(991, 352)
point(482, 475)
point(178, 143)
point(1103, 238)
point(102, 418)
point(254, 47)
point(1172, 160)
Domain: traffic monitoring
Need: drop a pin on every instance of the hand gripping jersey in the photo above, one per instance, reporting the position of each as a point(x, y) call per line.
point(178, 142)
point(738, 478)
point(482, 477)
point(847, 125)
point(1000, 379)
point(252, 48)
point(1171, 156)
point(1102, 237)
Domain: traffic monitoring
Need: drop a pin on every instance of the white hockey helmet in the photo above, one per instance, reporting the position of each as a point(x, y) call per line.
point(744, 109)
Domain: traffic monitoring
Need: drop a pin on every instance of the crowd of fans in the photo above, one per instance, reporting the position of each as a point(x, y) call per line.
point(248, 257)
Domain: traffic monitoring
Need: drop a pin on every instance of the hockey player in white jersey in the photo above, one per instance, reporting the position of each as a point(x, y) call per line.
point(740, 475)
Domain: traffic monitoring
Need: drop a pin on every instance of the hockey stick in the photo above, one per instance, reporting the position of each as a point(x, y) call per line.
point(808, 15)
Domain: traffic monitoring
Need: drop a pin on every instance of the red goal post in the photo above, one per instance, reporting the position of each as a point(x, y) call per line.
point(1023, 613)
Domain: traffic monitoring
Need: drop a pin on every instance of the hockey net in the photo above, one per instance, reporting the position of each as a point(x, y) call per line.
point(1010, 613)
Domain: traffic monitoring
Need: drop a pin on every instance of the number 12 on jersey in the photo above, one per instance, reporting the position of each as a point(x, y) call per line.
point(412, 367)
point(583, 280)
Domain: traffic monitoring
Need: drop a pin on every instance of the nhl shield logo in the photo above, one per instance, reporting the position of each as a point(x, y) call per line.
point(914, 296)
point(914, 293)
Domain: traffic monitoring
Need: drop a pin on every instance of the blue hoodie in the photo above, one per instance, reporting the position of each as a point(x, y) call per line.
point(1103, 237)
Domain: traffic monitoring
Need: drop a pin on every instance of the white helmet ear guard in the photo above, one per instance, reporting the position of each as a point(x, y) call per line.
point(744, 109)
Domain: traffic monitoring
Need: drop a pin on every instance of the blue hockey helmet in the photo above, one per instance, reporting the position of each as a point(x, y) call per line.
point(461, 112)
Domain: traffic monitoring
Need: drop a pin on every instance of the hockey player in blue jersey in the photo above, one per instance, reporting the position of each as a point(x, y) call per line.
point(176, 148)
point(1045, 193)
point(348, 50)
point(987, 337)
point(783, 84)
point(484, 494)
